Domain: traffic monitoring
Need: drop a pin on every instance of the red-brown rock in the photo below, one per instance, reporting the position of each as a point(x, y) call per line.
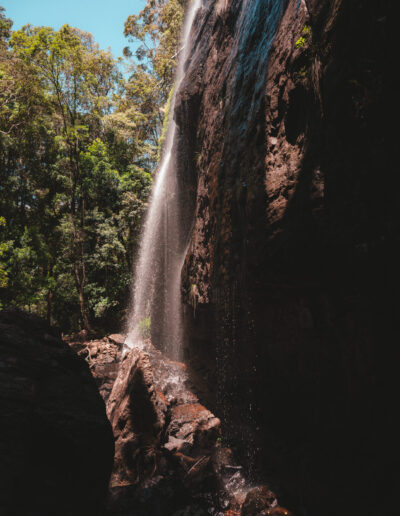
point(117, 338)
point(103, 357)
point(137, 415)
point(291, 276)
point(258, 501)
point(164, 438)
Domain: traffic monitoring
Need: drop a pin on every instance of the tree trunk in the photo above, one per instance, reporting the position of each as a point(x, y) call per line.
point(49, 306)
point(80, 285)
point(79, 236)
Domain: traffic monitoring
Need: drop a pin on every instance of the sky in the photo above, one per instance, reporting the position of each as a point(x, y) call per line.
point(103, 18)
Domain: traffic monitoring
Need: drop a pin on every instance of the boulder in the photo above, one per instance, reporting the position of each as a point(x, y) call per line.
point(137, 415)
point(103, 357)
point(259, 500)
point(164, 438)
point(56, 444)
point(117, 339)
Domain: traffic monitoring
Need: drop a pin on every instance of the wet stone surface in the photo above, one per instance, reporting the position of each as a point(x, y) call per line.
point(169, 457)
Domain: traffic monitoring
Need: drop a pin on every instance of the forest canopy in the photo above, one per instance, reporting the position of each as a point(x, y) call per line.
point(79, 142)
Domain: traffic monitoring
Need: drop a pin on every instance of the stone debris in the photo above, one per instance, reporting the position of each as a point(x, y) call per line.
point(103, 356)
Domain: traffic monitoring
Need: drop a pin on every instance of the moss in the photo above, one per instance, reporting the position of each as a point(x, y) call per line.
point(300, 42)
point(306, 36)
point(197, 159)
point(144, 327)
point(303, 71)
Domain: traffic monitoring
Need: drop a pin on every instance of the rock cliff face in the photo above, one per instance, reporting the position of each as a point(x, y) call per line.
point(56, 444)
point(290, 272)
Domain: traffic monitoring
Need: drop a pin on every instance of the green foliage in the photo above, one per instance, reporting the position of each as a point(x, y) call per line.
point(157, 30)
point(77, 147)
point(144, 328)
point(5, 26)
point(305, 38)
point(4, 247)
point(73, 188)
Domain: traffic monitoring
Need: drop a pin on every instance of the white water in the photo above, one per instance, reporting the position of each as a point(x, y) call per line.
point(156, 288)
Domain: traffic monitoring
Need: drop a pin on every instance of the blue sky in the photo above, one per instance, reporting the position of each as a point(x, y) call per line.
point(103, 18)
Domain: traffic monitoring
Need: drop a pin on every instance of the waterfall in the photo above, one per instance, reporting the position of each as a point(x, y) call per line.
point(156, 287)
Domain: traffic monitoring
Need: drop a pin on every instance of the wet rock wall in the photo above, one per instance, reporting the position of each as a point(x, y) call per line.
point(290, 276)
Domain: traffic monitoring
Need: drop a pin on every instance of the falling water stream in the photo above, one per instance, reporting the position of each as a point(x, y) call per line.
point(156, 288)
point(157, 280)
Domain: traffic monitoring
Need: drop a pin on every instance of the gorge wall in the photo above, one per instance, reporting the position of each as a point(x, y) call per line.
point(290, 271)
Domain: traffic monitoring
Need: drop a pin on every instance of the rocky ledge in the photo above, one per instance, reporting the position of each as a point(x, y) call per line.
point(169, 453)
point(103, 356)
point(171, 458)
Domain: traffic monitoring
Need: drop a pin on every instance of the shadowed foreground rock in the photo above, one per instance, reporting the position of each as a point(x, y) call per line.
point(56, 445)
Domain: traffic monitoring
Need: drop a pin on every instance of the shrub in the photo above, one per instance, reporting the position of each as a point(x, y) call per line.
point(144, 328)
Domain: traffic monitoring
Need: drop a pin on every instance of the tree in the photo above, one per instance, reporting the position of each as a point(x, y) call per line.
point(157, 29)
point(78, 79)
point(77, 147)
point(5, 27)
point(3, 249)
